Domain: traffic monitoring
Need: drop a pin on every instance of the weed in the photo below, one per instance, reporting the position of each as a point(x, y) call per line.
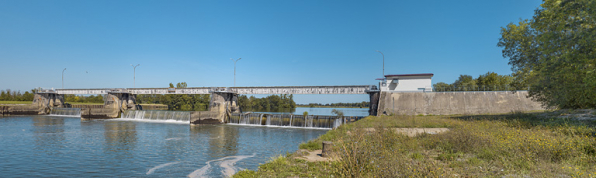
point(475, 146)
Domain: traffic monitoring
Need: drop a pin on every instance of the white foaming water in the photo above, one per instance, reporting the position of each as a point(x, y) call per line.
point(226, 163)
point(290, 121)
point(66, 112)
point(181, 116)
point(160, 166)
point(176, 138)
point(153, 121)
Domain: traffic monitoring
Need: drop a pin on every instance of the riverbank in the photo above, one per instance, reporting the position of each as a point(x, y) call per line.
point(515, 145)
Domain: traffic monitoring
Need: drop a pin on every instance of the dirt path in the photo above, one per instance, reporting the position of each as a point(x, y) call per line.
point(312, 156)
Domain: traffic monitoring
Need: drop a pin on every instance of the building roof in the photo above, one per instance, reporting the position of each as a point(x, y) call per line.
point(409, 75)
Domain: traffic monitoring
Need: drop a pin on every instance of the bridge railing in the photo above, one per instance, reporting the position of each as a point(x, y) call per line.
point(348, 89)
point(452, 88)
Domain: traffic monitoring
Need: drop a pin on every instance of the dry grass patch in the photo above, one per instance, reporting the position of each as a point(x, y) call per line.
point(514, 145)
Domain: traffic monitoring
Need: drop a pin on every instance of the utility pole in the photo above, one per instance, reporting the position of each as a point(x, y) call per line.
point(383, 62)
point(235, 69)
point(134, 75)
point(63, 78)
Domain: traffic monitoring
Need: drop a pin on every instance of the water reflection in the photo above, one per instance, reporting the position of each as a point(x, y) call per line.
point(222, 141)
point(68, 147)
point(49, 134)
point(174, 146)
point(120, 138)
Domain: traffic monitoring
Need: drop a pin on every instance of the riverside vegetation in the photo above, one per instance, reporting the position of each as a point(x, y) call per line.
point(515, 144)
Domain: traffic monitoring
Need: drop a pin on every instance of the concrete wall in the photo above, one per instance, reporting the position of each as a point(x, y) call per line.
point(99, 113)
point(206, 117)
point(220, 106)
point(446, 103)
point(123, 101)
point(7, 110)
point(152, 107)
point(48, 100)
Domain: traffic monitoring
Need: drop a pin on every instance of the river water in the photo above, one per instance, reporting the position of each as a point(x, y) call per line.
point(50, 146)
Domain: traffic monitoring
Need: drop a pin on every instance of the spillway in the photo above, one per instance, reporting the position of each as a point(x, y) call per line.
point(69, 112)
point(290, 120)
point(157, 115)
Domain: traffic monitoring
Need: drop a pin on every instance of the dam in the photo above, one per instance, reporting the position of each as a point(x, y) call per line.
point(403, 94)
point(218, 142)
point(223, 107)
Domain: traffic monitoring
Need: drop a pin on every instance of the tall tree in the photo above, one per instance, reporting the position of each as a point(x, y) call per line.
point(465, 82)
point(181, 85)
point(554, 53)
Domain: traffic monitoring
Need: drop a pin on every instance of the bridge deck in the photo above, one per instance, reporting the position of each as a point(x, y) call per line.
point(347, 89)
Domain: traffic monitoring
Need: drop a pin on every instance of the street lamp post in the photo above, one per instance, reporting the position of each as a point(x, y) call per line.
point(63, 78)
point(235, 69)
point(383, 62)
point(134, 75)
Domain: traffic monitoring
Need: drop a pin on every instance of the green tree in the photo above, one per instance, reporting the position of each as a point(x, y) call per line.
point(554, 53)
point(338, 113)
point(181, 85)
point(494, 81)
point(442, 86)
point(465, 83)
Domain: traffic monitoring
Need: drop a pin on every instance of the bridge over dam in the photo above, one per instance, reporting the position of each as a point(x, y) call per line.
point(223, 104)
point(271, 90)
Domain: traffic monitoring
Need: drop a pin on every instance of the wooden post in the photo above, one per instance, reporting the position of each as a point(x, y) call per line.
point(327, 148)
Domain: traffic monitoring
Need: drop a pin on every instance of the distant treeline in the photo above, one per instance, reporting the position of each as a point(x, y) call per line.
point(363, 104)
point(177, 102)
point(269, 103)
point(11, 95)
point(84, 99)
point(487, 82)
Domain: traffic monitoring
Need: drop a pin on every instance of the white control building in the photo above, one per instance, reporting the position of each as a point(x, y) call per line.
point(406, 82)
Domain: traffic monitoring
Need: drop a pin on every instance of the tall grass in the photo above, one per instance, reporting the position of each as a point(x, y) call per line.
point(476, 146)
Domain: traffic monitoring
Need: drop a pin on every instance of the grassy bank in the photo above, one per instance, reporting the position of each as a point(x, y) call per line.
point(476, 146)
point(15, 102)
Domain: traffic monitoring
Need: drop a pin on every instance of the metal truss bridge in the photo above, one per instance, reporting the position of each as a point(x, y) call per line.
point(271, 90)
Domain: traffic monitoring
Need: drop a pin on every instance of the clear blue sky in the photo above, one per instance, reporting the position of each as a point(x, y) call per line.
point(281, 42)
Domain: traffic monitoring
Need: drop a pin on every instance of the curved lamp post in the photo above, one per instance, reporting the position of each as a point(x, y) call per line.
point(235, 69)
point(134, 75)
point(383, 62)
point(63, 78)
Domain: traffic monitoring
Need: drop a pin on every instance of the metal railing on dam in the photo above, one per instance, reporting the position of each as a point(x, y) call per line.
point(346, 89)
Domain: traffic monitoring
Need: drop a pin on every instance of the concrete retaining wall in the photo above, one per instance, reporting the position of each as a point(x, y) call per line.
point(152, 107)
point(446, 103)
point(99, 113)
point(206, 117)
point(86, 106)
point(30, 109)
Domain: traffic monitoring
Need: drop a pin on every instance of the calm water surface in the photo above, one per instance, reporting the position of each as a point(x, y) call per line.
point(48, 146)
